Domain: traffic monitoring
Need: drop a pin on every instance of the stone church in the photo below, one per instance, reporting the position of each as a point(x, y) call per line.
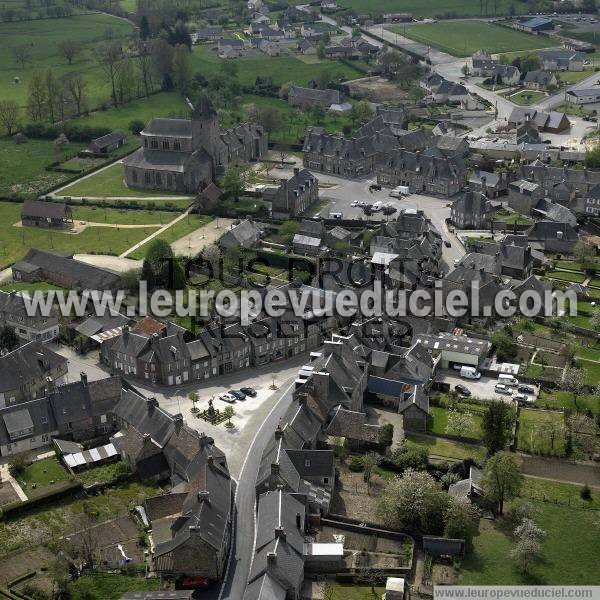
point(185, 155)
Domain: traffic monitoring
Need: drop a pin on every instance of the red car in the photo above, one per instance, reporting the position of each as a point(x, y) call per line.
point(194, 583)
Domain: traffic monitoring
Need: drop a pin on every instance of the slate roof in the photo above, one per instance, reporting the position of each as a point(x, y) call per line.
point(46, 210)
point(538, 76)
point(315, 95)
point(180, 128)
point(108, 139)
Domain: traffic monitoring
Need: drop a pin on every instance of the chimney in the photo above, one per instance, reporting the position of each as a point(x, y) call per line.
point(274, 468)
point(271, 558)
point(203, 496)
point(210, 460)
point(302, 398)
point(147, 439)
point(84, 380)
point(280, 533)
point(298, 521)
point(151, 404)
point(125, 333)
point(178, 420)
point(278, 432)
point(296, 170)
point(154, 338)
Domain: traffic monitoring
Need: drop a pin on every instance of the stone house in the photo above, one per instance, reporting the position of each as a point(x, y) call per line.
point(37, 213)
point(295, 195)
point(13, 313)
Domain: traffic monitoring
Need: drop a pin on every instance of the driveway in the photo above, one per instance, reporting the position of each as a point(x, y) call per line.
point(480, 388)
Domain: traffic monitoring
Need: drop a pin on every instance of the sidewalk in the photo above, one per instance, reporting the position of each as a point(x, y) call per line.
point(5, 476)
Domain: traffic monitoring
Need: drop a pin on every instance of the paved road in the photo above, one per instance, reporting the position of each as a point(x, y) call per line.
point(242, 548)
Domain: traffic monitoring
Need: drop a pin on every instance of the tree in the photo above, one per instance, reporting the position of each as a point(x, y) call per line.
point(462, 521)
point(528, 530)
point(161, 264)
point(549, 429)
point(109, 56)
point(87, 541)
point(75, 87)
point(136, 126)
point(145, 66)
point(416, 94)
point(574, 381)
point(162, 61)
point(269, 118)
point(321, 49)
point(125, 81)
point(22, 55)
point(234, 180)
point(370, 461)
point(594, 319)
point(404, 501)
point(288, 230)
point(529, 62)
point(592, 158)
point(360, 113)
point(229, 69)
point(496, 426)
point(53, 95)
point(130, 280)
point(410, 456)
point(17, 466)
point(193, 396)
point(459, 423)
point(525, 554)
point(182, 70)
point(144, 28)
point(502, 479)
point(228, 413)
point(61, 576)
point(506, 349)
point(9, 116)
point(37, 96)
point(583, 252)
point(69, 49)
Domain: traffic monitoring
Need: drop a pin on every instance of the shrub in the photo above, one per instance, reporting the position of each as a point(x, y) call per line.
point(355, 464)
point(17, 466)
point(585, 492)
point(136, 126)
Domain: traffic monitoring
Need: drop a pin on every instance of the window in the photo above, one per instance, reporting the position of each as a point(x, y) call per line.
point(134, 176)
point(165, 144)
point(154, 143)
point(176, 145)
point(325, 480)
point(158, 179)
point(169, 179)
point(307, 462)
point(147, 178)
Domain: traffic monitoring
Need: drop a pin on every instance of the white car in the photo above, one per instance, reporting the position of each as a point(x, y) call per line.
point(354, 203)
point(500, 388)
point(523, 399)
point(227, 398)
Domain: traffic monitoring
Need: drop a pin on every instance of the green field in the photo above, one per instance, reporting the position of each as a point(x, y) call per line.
point(448, 448)
point(96, 214)
point(526, 97)
point(571, 77)
point(22, 166)
point(529, 438)
point(42, 473)
point(43, 37)
point(109, 586)
point(434, 8)
point(570, 553)
point(463, 38)
point(439, 421)
point(282, 69)
point(109, 183)
point(15, 241)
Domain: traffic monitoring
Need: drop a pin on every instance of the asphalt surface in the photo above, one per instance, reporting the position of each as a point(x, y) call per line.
point(242, 545)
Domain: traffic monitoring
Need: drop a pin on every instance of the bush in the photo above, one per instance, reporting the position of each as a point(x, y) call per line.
point(136, 126)
point(410, 456)
point(585, 492)
point(355, 464)
point(17, 466)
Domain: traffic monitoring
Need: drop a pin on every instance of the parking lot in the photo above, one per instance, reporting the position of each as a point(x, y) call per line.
point(480, 388)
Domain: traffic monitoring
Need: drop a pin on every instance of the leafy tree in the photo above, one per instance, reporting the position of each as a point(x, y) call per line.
point(595, 319)
point(506, 348)
point(9, 340)
point(136, 126)
point(583, 252)
point(288, 230)
point(234, 180)
point(360, 113)
point(410, 456)
point(406, 501)
point(321, 49)
point(525, 554)
point(130, 280)
point(459, 423)
point(496, 425)
point(182, 70)
point(370, 461)
point(592, 158)
point(144, 28)
point(269, 118)
point(528, 530)
point(147, 274)
point(529, 62)
point(110, 58)
point(549, 430)
point(462, 521)
point(574, 381)
point(386, 435)
point(162, 264)
point(193, 396)
point(228, 413)
point(502, 479)
point(17, 467)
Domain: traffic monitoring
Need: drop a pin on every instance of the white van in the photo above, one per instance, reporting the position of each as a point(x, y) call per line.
point(377, 206)
point(508, 380)
point(398, 192)
point(336, 215)
point(470, 373)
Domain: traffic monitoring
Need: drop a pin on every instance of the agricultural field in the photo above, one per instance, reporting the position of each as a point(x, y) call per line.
point(436, 8)
point(567, 524)
point(463, 38)
point(43, 40)
point(281, 69)
point(15, 241)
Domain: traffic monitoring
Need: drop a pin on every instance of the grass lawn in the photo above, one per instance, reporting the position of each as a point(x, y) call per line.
point(572, 109)
point(570, 553)
point(179, 230)
point(282, 68)
point(15, 241)
point(526, 97)
point(571, 77)
point(570, 265)
point(418, 8)
point(43, 37)
point(103, 473)
point(96, 214)
point(109, 183)
point(22, 286)
point(512, 218)
point(530, 440)
point(439, 421)
point(22, 169)
point(448, 448)
point(352, 591)
point(566, 276)
point(559, 399)
point(109, 586)
point(43, 472)
point(592, 371)
point(463, 38)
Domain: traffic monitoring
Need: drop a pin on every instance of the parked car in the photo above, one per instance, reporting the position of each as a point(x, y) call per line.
point(523, 399)
point(447, 244)
point(354, 203)
point(227, 398)
point(457, 367)
point(237, 394)
point(500, 388)
point(526, 389)
point(194, 582)
point(463, 390)
point(249, 391)
point(374, 187)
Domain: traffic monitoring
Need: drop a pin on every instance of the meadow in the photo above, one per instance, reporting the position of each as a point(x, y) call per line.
point(463, 38)
point(43, 37)
point(16, 241)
